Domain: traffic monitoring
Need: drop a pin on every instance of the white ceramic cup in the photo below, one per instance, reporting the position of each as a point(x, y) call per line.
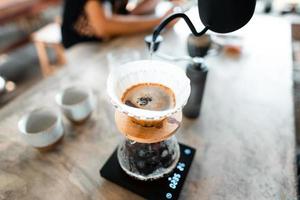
point(77, 103)
point(41, 127)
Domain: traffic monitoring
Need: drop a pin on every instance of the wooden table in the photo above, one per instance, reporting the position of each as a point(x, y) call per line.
point(244, 138)
point(14, 10)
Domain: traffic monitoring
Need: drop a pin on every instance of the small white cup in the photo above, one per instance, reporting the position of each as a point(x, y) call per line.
point(77, 103)
point(41, 128)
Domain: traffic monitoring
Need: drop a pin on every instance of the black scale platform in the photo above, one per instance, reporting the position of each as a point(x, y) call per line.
point(168, 187)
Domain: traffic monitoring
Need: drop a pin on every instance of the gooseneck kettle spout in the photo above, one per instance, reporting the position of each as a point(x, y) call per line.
point(166, 21)
point(220, 16)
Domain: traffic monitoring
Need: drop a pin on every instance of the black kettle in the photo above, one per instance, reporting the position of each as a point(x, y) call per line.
point(220, 16)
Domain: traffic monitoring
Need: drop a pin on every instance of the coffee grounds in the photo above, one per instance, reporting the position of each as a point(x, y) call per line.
point(143, 101)
point(129, 103)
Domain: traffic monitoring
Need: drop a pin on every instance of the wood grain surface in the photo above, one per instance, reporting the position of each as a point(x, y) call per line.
point(134, 131)
point(244, 137)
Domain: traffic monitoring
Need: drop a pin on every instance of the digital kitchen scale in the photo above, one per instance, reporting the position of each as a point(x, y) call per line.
point(168, 187)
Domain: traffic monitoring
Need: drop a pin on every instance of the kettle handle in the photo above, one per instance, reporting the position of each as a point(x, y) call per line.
point(167, 20)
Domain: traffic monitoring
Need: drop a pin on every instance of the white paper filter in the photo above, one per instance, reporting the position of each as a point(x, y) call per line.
point(148, 71)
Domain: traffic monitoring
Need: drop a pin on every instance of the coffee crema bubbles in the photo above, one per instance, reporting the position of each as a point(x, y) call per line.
point(149, 96)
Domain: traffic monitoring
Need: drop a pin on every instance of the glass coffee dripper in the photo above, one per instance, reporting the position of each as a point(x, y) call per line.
point(150, 149)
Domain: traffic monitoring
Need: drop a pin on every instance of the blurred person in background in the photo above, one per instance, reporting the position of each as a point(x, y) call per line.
point(97, 20)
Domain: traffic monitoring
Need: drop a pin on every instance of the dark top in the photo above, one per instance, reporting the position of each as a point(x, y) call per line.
point(73, 10)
